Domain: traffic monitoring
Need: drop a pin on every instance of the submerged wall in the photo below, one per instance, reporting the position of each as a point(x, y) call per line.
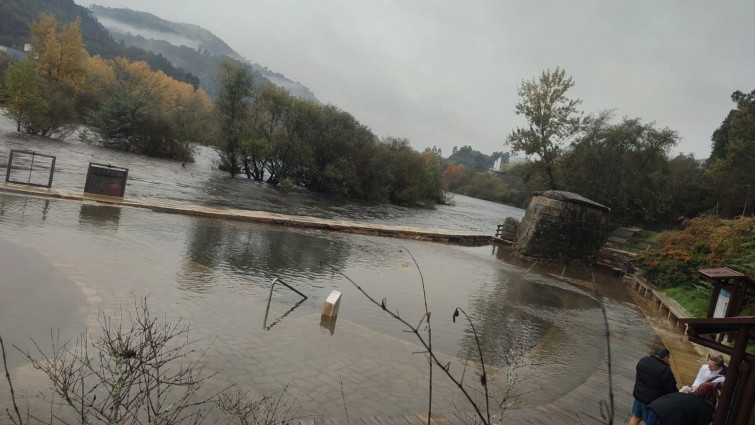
point(563, 226)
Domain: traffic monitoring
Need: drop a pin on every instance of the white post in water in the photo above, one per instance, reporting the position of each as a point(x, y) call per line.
point(332, 303)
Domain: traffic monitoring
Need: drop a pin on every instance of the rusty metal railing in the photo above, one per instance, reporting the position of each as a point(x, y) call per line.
point(19, 153)
point(270, 297)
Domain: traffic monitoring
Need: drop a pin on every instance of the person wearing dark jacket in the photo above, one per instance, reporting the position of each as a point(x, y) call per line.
point(684, 409)
point(654, 379)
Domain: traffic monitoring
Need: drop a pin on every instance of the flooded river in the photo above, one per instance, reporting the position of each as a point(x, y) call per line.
point(66, 263)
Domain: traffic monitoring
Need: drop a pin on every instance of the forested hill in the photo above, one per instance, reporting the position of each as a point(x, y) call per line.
point(16, 17)
point(188, 46)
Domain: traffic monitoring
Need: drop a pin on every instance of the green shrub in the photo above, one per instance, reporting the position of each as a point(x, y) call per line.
point(705, 242)
point(671, 266)
point(694, 298)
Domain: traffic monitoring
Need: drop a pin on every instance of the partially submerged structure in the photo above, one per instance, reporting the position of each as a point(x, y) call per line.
point(562, 225)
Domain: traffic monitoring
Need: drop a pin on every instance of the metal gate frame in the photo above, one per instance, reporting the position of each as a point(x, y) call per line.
point(31, 168)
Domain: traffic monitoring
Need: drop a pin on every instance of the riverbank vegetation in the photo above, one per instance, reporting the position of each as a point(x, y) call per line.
point(505, 187)
point(260, 129)
point(625, 164)
point(706, 241)
point(622, 163)
point(270, 136)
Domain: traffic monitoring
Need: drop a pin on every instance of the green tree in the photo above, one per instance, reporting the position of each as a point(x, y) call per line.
point(688, 196)
point(436, 150)
point(471, 158)
point(61, 115)
point(280, 139)
point(296, 141)
point(731, 167)
point(622, 166)
point(232, 110)
point(552, 119)
point(732, 126)
point(21, 95)
point(341, 152)
point(119, 120)
point(270, 112)
point(414, 179)
point(5, 60)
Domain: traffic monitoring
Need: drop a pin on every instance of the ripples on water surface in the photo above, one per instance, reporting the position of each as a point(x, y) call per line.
point(65, 262)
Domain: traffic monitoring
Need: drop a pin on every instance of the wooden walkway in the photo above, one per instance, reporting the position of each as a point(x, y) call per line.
point(673, 308)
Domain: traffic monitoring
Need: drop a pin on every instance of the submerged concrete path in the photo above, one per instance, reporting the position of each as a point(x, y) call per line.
point(460, 237)
point(631, 337)
point(588, 403)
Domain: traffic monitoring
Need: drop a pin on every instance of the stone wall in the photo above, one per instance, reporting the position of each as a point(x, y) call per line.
point(510, 226)
point(617, 259)
point(563, 226)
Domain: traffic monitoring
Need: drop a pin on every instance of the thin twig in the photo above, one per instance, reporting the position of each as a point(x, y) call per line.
point(131, 362)
point(10, 384)
point(343, 397)
point(485, 419)
point(484, 377)
point(429, 336)
point(609, 414)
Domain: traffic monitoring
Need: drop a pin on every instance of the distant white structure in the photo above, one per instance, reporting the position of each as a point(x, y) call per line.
point(497, 165)
point(13, 52)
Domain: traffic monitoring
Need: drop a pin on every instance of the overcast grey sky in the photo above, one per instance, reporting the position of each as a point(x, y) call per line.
point(445, 72)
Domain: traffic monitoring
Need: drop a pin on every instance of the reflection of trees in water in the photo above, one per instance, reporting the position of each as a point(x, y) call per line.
point(22, 203)
point(258, 254)
point(99, 216)
point(508, 316)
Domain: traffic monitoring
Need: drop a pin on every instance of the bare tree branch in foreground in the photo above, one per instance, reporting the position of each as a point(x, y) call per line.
point(138, 371)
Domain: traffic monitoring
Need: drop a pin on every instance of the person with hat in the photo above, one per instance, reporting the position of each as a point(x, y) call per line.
point(653, 380)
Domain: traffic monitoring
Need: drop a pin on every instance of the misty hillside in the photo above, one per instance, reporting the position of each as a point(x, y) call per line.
point(16, 17)
point(187, 46)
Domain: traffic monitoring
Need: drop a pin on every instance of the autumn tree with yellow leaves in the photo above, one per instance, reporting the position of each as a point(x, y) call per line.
point(126, 104)
point(40, 93)
point(148, 112)
point(58, 49)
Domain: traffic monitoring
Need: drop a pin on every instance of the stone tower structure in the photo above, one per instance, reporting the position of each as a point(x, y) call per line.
point(562, 225)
